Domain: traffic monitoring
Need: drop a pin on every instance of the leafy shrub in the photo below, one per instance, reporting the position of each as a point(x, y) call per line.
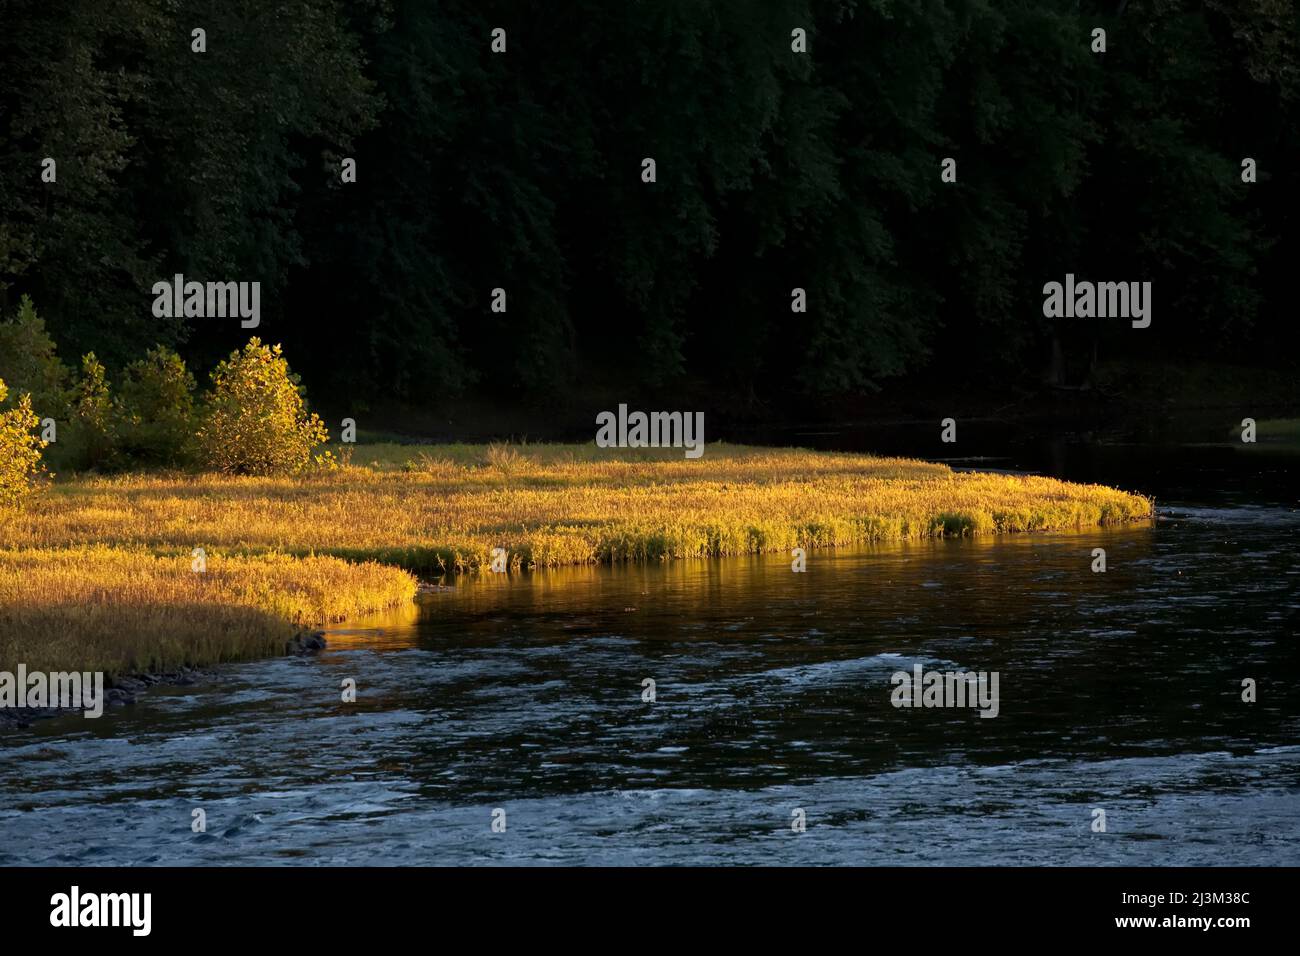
point(30, 363)
point(94, 419)
point(20, 450)
point(256, 420)
point(156, 414)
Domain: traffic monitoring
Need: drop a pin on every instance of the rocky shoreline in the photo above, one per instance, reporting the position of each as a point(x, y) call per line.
point(124, 689)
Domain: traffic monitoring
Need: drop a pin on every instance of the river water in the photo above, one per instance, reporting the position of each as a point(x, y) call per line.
point(1118, 692)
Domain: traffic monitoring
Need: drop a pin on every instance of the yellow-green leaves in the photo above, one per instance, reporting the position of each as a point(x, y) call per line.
point(256, 421)
point(20, 450)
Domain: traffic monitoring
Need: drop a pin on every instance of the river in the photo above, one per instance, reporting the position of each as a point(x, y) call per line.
point(1118, 692)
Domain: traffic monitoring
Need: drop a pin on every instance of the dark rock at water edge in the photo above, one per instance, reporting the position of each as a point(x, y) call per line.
point(305, 643)
point(120, 692)
point(125, 688)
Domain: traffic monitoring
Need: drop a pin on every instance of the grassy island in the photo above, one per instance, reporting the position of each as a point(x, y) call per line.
point(98, 573)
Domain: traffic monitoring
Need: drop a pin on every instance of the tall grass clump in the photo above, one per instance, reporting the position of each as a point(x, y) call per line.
point(506, 459)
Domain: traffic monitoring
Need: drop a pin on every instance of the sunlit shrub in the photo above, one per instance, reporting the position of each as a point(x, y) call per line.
point(256, 420)
point(20, 450)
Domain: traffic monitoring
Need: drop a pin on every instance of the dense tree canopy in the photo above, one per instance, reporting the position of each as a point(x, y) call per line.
point(775, 169)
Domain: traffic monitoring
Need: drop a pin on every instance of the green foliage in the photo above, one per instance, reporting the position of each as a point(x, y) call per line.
point(168, 160)
point(256, 420)
point(29, 362)
point(93, 432)
point(156, 417)
point(775, 170)
point(20, 450)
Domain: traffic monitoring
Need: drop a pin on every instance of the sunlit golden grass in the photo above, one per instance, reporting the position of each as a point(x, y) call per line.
point(438, 509)
point(122, 610)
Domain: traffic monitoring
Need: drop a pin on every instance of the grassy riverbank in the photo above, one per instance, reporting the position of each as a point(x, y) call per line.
point(95, 573)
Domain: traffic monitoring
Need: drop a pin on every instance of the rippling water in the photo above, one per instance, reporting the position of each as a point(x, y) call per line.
point(1119, 691)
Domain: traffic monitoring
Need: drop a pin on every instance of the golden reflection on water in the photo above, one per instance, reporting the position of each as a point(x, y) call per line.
point(988, 578)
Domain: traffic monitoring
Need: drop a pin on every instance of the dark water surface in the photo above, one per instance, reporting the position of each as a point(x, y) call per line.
point(1119, 691)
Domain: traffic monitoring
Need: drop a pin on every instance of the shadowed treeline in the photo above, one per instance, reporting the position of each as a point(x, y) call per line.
point(775, 170)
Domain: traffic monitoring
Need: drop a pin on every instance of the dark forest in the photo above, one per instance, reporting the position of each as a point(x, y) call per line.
point(775, 169)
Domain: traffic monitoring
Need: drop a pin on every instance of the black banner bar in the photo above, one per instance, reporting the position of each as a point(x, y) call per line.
point(1150, 906)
